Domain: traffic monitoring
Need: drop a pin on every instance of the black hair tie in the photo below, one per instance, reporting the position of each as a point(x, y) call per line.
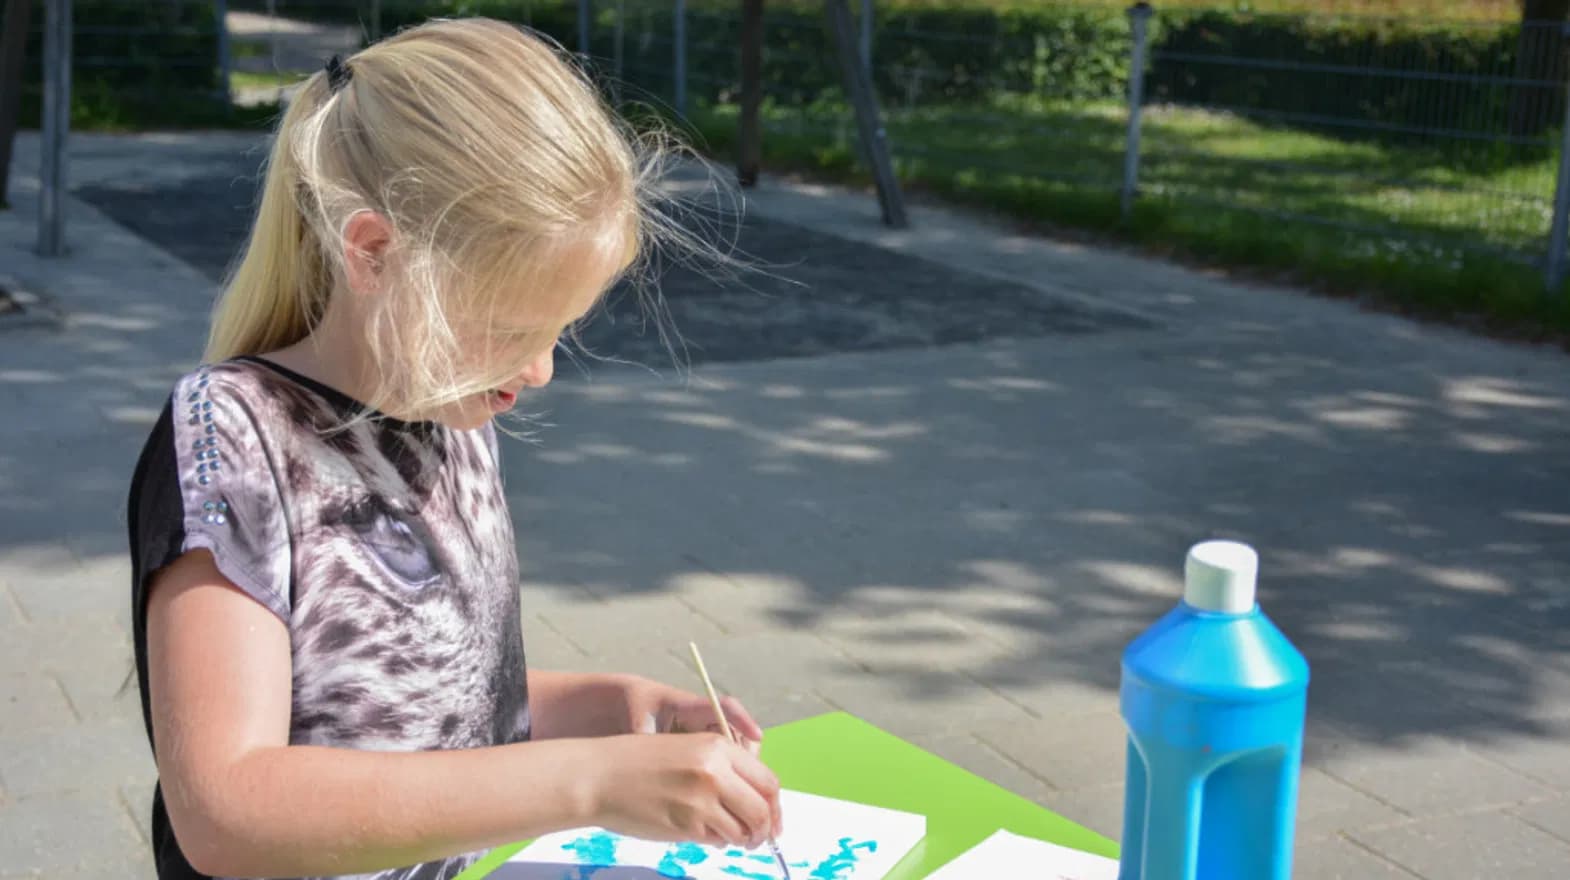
point(338, 73)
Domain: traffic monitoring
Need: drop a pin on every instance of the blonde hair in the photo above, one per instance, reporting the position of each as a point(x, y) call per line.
point(492, 158)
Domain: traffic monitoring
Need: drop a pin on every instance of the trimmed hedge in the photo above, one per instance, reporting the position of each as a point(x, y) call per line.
point(1398, 76)
point(1470, 78)
point(133, 63)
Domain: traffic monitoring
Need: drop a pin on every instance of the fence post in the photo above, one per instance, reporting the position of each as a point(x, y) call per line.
point(13, 51)
point(869, 122)
point(680, 38)
point(866, 37)
point(1139, 16)
point(619, 34)
point(583, 30)
point(1557, 230)
point(221, 19)
point(749, 139)
point(56, 125)
point(272, 42)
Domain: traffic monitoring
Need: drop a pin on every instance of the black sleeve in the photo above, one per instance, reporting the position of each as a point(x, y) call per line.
point(154, 513)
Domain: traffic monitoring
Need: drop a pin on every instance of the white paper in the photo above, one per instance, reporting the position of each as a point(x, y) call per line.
point(824, 839)
point(1009, 855)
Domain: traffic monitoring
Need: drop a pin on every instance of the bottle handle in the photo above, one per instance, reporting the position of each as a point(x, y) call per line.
point(1172, 815)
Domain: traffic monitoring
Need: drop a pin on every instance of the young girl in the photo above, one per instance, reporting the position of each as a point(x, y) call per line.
point(326, 602)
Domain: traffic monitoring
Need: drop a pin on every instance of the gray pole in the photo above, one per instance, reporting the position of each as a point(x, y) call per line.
point(56, 125)
point(583, 29)
point(749, 126)
point(620, 35)
point(221, 20)
point(1139, 18)
point(376, 20)
point(869, 122)
point(272, 38)
point(681, 57)
point(1557, 230)
point(866, 37)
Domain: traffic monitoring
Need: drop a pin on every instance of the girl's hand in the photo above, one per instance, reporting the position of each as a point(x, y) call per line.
point(687, 787)
point(658, 708)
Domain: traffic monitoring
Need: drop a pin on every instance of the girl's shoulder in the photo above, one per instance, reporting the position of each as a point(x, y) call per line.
point(265, 390)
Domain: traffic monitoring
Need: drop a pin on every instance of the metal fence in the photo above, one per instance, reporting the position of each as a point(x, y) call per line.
point(1440, 150)
point(1401, 140)
point(1392, 140)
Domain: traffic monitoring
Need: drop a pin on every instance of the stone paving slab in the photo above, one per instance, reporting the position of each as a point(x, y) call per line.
point(1328, 807)
point(977, 756)
point(1552, 816)
point(71, 834)
point(1083, 751)
point(85, 757)
point(1467, 847)
point(1337, 858)
point(1434, 778)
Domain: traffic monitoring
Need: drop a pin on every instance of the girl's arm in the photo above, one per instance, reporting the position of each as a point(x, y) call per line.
point(245, 803)
point(576, 704)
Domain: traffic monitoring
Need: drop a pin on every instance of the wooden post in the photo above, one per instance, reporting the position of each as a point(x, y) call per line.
point(869, 124)
point(749, 140)
point(13, 48)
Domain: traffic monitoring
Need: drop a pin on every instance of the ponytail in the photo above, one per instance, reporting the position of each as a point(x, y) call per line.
point(281, 285)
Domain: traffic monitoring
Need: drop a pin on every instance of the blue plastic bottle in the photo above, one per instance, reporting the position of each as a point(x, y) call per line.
point(1214, 698)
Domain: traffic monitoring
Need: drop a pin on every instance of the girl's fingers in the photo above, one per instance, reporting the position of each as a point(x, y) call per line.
point(730, 828)
point(741, 720)
point(748, 797)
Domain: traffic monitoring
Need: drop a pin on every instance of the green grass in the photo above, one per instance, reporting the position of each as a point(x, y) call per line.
point(1451, 235)
point(245, 79)
point(249, 49)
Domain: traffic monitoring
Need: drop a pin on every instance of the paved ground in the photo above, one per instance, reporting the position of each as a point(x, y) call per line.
point(941, 486)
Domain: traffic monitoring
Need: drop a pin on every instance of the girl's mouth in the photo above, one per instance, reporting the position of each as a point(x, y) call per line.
point(501, 401)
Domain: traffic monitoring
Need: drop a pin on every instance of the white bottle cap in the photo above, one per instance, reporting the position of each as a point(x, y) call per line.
point(1219, 576)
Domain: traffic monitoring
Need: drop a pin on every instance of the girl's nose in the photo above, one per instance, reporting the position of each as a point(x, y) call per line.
point(538, 372)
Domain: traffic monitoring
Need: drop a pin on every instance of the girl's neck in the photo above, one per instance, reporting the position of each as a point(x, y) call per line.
point(332, 355)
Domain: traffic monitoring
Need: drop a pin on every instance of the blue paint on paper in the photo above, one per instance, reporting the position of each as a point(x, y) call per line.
point(669, 867)
point(835, 866)
point(598, 848)
point(749, 875)
point(673, 862)
point(596, 852)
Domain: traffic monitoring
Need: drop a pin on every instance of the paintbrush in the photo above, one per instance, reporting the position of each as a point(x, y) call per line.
point(725, 728)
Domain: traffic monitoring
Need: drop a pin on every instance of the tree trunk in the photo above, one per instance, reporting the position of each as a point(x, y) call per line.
point(1541, 57)
point(13, 49)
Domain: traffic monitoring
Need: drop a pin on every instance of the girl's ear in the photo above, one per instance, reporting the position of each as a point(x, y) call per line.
point(367, 238)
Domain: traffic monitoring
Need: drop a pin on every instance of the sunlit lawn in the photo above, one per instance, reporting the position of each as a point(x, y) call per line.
point(1441, 231)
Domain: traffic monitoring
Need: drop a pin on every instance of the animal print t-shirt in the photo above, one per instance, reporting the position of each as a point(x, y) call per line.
point(385, 548)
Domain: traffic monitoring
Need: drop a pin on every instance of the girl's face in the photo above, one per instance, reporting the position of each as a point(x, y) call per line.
point(521, 343)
